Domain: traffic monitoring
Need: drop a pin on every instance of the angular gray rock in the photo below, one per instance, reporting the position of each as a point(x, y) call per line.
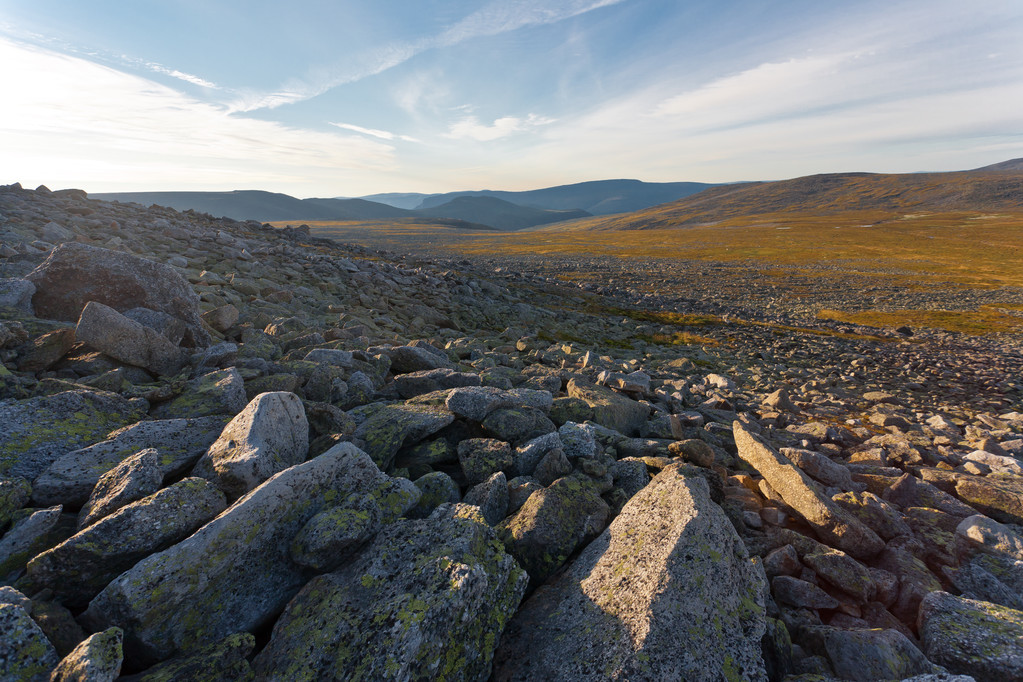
point(482, 457)
point(39, 430)
point(384, 429)
point(78, 568)
point(108, 331)
point(222, 661)
point(972, 637)
point(97, 659)
point(211, 584)
point(476, 402)
point(138, 476)
point(668, 591)
point(25, 653)
point(987, 535)
point(426, 600)
point(219, 392)
point(610, 409)
point(178, 442)
point(14, 494)
point(405, 359)
point(553, 523)
point(836, 527)
point(26, 538)
point(268, 436)
point(17, 293)
point(491, 496)
point(429, 380)
point(436, 488)
point(868, 655)
point(74, 274)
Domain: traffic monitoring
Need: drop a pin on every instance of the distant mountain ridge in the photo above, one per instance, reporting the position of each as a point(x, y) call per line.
point(271, 206)
point(881, 194)
point(598, 197)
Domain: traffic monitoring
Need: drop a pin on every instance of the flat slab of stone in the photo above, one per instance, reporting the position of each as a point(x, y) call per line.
point(667, 592)
point(178, 442)
point(124, 339)
point(40, 430)
point(836, 527)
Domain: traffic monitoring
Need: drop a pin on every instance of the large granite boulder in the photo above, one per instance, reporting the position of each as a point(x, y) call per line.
point(39, 430)
point(835, 526)
point(427, 599)
point(218, 392)
point(268, 436)
point(668, 591)
point(236, 572)
point(383, 429)
point(610, 409)
point(97, 659)
point(972, 637)
point(553, 523)
point(136, 477)
point(75, 274)
point(111, 333)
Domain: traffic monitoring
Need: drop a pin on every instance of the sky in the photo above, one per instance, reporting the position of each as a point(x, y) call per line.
point(353, 97)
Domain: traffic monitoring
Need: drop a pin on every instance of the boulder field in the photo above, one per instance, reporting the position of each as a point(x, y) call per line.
point(230, 451)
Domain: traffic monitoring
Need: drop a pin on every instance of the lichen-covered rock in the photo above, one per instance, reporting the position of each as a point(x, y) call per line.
point(384, 429)
point(429, 380)
point(822, 469)
point(668, 591)
point(518, 424)
point(842, 572)
point(268, 436)
point(915, 581)
point(59, 626)
point(223, 661)
point(801, 594)
point(405, 359)
point(553, 466)
point(74, 274)
point(78, 568)
point(219, 392)
point(178, 442)
point(610, 409)
point(1000, 497)
point(97, 659)
point(334, 535)
point(981, 533)
point(878, 515)
point(25, 653)
point(436, 488)
point(553, 523)
point(491, 496)
point(867, 655)
point(14, 494)
point(995, 578)
point(832, 523)
point(426, 600)
point(39, 430)
point(26, 538)
point(529, 455)
point(972, 637)
point(46, 350)
point(482, 457)
point(124, 339)
point(17, 293)
point(234, 573)
point(221, 318)
point(476, 402)
point(134, 478)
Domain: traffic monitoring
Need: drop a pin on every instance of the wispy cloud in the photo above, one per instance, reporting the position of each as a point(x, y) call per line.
point(499, 16)
point(78, 123)
point(470, 128)
point(373, 132)
point(180, 75)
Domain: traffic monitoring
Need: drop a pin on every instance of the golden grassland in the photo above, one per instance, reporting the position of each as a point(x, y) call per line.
point(915, 250)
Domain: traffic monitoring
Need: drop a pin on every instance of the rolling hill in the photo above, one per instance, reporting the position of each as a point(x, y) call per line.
point(484, 212)
point(871, 195)
point(599, 197)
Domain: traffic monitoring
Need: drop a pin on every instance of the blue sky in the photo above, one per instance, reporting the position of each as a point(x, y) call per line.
point(352, 97)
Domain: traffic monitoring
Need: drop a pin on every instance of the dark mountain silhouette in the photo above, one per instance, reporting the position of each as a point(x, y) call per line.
point(599, 197)
point(486, 212)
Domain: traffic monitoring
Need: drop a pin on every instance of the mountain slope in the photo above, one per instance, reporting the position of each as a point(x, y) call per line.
point(1010, 165)
point(832, 194)
point(599, 197)
point(498, 213)
point(261, 206)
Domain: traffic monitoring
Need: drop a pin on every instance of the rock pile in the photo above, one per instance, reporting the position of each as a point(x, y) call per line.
point(234, 452)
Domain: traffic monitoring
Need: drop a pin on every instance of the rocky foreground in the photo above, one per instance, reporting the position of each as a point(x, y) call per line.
point(233, 452)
